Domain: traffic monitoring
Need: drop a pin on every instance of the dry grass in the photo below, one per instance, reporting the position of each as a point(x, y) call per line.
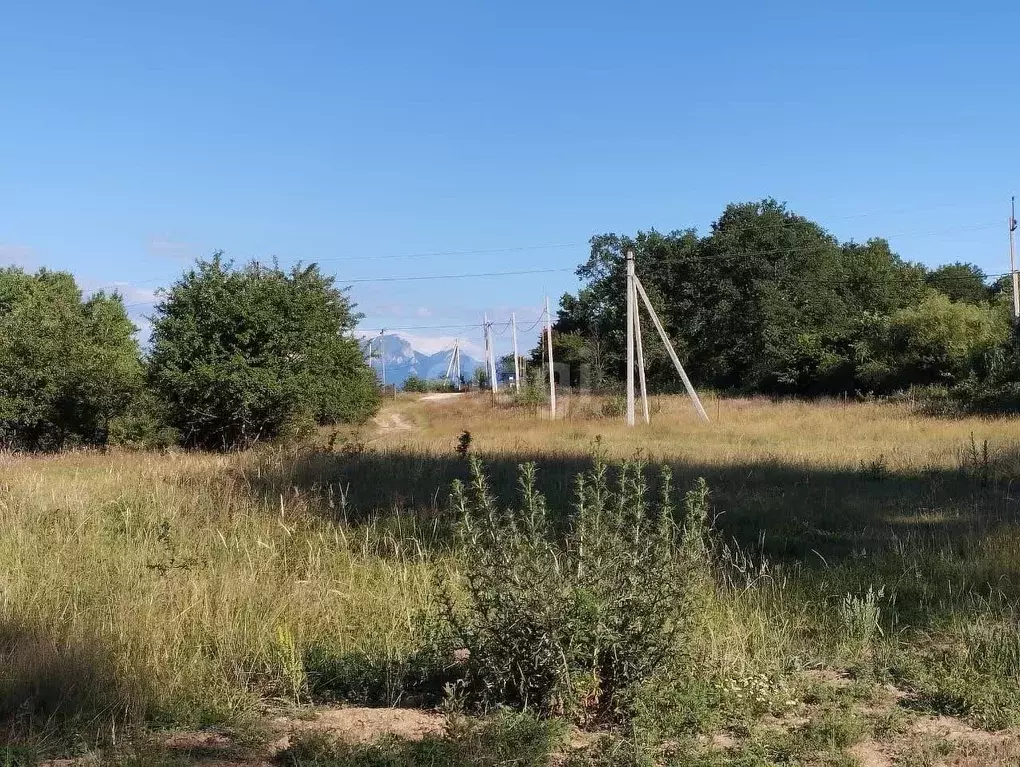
point(189, 597)
point(824, 434)
point(193, 589)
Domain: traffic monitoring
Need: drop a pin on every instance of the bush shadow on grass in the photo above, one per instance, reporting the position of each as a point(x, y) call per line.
point(790, 512)
point(924, 535)
point(419, 679)
point(52, 686)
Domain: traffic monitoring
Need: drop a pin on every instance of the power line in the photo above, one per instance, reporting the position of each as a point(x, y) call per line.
point(693, 259)
point(522, 248)
point(457, 276)
point(332, 259)
point(429, 254)
point(423, 327)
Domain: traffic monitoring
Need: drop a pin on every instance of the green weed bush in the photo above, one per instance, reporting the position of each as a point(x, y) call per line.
point(575, 624)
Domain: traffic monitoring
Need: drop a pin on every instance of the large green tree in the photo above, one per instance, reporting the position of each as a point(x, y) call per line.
point(961, 282)
point(250, 354)
point(768, 301)
point(68, 366)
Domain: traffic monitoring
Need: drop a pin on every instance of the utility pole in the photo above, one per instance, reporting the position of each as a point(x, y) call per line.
point(453, 359)
point(517, 362)
point(1012, 260)
point(490, 355)
point(382, 354)
point(485, 336)
point(640, 351)
point(630, 337)
point(672, 352)
point(552, 375)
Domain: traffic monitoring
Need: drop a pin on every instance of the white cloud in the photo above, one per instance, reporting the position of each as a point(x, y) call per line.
point(144, 329)
point(423, 311)
point(134, 294)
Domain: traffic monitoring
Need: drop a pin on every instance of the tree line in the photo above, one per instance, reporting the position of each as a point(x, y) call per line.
point(237, 356)
point(769, 302)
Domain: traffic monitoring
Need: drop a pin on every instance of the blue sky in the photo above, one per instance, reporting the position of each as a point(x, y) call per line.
point(136, 136)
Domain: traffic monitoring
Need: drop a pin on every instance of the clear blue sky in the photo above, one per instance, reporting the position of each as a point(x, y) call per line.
point(136, 136)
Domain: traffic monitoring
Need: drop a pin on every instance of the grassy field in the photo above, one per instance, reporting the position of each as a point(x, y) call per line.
point(864, 609)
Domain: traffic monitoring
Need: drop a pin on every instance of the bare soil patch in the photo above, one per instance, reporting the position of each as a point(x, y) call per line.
point(363, 725)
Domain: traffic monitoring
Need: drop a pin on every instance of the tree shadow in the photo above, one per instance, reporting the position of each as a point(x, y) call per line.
point(791, 512)
point(53, 686)
point(940, 541)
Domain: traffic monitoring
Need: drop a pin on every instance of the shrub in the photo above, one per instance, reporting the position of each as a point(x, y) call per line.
point(938, 341)
point(67, 366)
point(576, 626)
point(532, 395)
point(426, 385)
point(240, 356)
point(143, 425)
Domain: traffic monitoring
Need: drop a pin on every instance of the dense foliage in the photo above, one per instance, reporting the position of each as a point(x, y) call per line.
point(423, 385)
point(68, 366)
point(244, 355)
point(578, 624)
point(768, 301)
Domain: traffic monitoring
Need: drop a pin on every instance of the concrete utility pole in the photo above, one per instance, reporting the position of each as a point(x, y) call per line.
point(490, 355)
point(630, 337)
point(454, 360)
point(552, 375)
point(1012, 260)
point(517, 362)
point(382, 354)
point(640, 352)
point(672, 352)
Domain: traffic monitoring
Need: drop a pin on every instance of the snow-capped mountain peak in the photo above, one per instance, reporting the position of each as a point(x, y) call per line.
point(402, 360)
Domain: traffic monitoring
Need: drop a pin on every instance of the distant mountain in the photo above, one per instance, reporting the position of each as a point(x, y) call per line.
point(403, 361)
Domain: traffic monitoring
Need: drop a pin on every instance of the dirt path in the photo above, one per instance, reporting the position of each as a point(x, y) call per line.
point(208, 748)
point(442, 396)
point(392, 421)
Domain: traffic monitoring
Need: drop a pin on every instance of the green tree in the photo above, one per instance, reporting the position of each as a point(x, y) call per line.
point(733, 302)
point(67, 366)
point(994, 386)
point(766, 301)
point(243, 355)
point(961, 282)
point(939, 341)
point(876, 280)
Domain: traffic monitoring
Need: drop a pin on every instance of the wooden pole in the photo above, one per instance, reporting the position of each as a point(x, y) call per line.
point(552, 375)
point(640, 353)
point(630, 338)
point(672, 352)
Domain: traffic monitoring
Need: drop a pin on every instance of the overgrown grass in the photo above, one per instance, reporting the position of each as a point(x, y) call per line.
point(507, 740)
point(190, 590)
point(159, 588)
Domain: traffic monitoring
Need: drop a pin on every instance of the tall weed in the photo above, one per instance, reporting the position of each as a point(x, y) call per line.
point(574, 624)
